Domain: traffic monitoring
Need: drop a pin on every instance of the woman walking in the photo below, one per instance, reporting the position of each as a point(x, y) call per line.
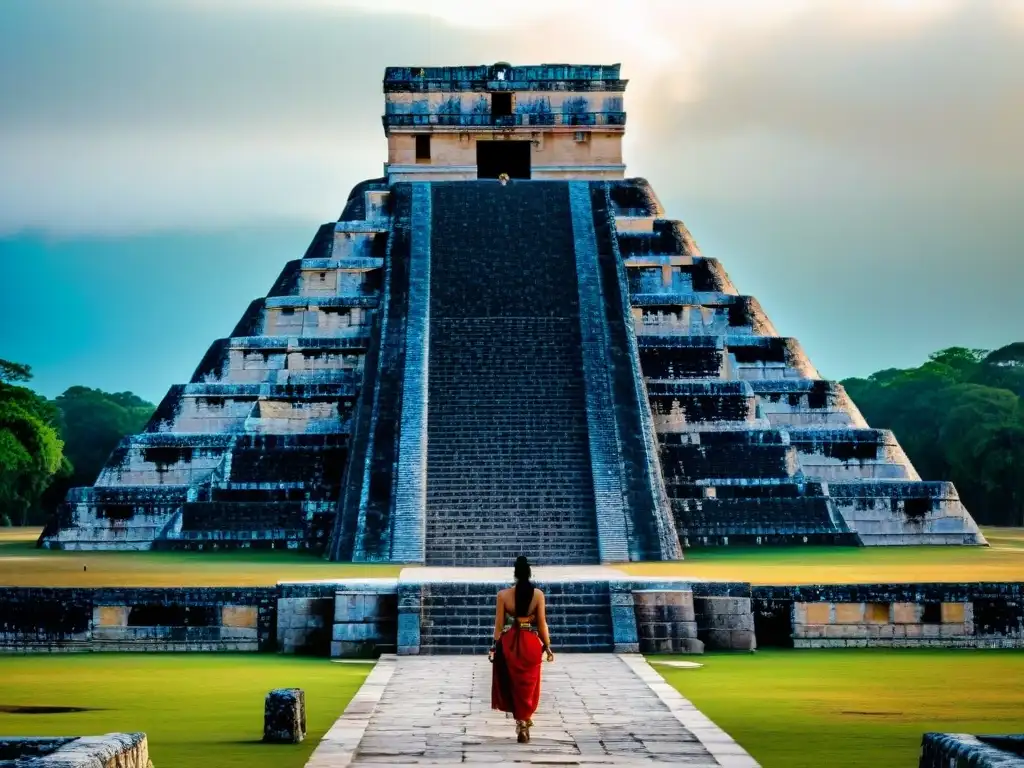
point(521, 641)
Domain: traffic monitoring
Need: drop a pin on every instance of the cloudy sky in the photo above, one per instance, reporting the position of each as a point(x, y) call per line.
point(857, 166)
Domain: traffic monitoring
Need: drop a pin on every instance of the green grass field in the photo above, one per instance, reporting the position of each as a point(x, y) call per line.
point(1002, 560)
point(197, 709)
point(853, 708)
point(792, 709)
point(21, 564)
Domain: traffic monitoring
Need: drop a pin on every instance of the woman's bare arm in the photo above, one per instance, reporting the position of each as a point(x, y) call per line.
point(542, 623)
point(499, 618)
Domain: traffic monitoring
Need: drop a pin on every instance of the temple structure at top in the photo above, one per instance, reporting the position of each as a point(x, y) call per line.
point(554, 121)
point(466, 367)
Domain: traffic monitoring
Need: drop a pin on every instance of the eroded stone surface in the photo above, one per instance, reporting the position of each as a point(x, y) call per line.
point(113, 750)
point(284, 716)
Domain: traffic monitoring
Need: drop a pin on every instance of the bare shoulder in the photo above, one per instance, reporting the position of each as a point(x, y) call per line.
point(503, 593)
point(539, 595)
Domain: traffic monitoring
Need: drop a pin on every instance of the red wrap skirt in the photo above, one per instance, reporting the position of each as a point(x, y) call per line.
point(515, 679)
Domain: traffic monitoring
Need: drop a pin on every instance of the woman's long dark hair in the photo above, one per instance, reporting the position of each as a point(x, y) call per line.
point(524, 588)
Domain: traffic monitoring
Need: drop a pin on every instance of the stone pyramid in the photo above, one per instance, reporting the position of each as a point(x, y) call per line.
point(464, 368)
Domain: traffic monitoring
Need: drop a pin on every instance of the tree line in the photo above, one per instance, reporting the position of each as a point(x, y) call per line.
point(49, 446)
point(959, 416)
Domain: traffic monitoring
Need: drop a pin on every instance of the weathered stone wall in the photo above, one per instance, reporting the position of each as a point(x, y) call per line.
point(305, 616)
point(196, 619)
point(554, 156)
point(666, 622)
point(362, 618)
point(901, 616)
point(952, 750)
point(365, 622)
point(725, 623)
point(113, 750)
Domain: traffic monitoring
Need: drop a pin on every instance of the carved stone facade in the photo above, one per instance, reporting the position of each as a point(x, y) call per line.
point(563, 121)
point(456, 372)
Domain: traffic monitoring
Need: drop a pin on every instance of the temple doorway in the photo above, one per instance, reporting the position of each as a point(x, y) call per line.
point(494, 158)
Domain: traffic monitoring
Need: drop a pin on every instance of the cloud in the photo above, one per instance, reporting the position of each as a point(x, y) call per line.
point(943, 102)
point(157, 114)
point(854, 165)
point(127, 116)
point(862, 179)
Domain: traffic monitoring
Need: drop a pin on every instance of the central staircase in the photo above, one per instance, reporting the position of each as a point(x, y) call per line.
point(459, 617)
point(508, 462)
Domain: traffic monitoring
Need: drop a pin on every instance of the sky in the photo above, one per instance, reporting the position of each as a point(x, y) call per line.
point(856, 166)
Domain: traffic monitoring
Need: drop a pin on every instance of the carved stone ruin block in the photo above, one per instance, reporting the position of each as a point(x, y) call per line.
point(284, 716)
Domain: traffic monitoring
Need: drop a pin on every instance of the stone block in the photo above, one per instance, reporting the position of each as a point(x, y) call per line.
point(846, 631)
point(877, 613)
point(110, 616)
point(732, 621)
point(671, 645)
point(729, 640)
point(817, 613)
point(849, 613)
point(239, 616)
point(354, 632)
point(953, 613)
point(723, 605)
point(112, 750)
point(906, 613)
point(953, 630)
point(810, 630)
point(284, 716)
point(881, 631)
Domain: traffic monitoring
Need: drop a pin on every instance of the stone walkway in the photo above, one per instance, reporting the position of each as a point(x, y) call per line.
point(596, 710)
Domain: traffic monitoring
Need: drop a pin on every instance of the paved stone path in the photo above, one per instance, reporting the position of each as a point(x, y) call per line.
point(596, 710)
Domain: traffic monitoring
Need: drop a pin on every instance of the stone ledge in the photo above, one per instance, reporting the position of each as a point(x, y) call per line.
point(941, 750)
point(722, 747)
point(338, 746)
point(123, 750)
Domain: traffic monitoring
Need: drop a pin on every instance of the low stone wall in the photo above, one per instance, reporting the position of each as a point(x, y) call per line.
point(368, 617)
point(365, 621)
point(898, 615)
point(666, 621)
point(195, 619)
point(725, 623)
point(305, 616)
point(114, 750)
point(953, 750)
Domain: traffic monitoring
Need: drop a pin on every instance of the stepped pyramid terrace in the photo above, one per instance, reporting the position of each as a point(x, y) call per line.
point(503, 345)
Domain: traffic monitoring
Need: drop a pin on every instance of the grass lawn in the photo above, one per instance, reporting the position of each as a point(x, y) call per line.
point(197, 709)
point(1003, 560)
point(21, 564)
point(853, 708)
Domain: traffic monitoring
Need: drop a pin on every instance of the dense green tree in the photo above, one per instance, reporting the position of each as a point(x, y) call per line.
point(12, 372)
point(92, 423)
point(31, 450)
point(49, 446)
point(1004, 369)
point(958, 416)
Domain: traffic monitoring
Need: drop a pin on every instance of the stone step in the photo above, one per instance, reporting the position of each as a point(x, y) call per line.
point(459, 617)
point(508, 455)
